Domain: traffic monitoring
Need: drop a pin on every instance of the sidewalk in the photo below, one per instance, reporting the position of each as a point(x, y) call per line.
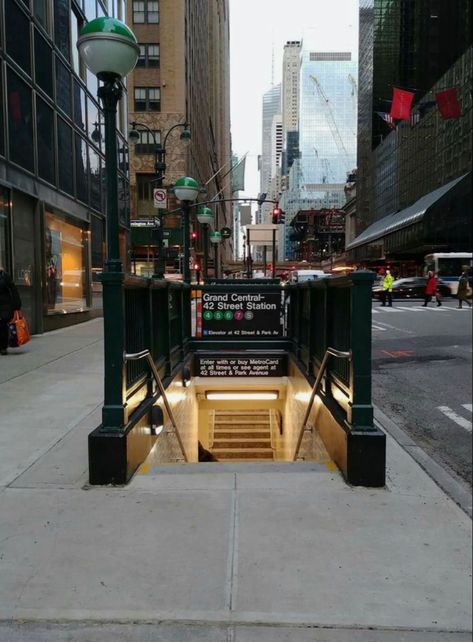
point(274, 553)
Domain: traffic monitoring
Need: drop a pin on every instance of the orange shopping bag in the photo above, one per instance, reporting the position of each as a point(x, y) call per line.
point(18, 332)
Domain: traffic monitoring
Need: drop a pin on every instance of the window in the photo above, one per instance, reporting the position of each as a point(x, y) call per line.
point(62, 27)
point(66, 178)
point(43, 64)
point(20, 119)
point(4, 228)
point(40, 12)
point(149, 55)
point(66, 249)
point(147, 99)
point(17, 36)
point(144, 195)
point(146, 11)
point(45, 129)
point(146, 144)
point(63, 87)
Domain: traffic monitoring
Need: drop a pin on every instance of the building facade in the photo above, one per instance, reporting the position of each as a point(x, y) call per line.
point(182, 77)
point(52, 165)
point(271, 110)
point(425, 47)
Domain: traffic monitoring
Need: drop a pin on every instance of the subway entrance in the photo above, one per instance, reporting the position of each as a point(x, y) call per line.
point(241, 371)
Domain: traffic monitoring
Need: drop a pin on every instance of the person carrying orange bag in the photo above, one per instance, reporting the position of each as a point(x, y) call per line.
point(10, 302)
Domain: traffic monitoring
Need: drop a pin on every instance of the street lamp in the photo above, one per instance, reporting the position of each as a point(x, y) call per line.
point(159, 149)
point(110, 50)
point(216, 239)
point(160, 169)
point(205, 217)
point(186, 190)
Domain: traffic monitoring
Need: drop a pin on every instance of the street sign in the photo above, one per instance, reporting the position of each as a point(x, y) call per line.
point(226, 232)
point(160, 198)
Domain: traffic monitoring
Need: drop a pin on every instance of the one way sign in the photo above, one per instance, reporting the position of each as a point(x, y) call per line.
point(160, 198)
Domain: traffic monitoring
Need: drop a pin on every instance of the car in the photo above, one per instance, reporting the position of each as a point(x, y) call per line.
point(411, 288)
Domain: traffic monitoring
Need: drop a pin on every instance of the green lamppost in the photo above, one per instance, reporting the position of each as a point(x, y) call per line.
point(205, 217)
point(186, 190)
point(216, 239)
point(110, 50)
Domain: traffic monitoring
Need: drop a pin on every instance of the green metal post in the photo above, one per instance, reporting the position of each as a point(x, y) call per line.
point(206, 251)
point(186, 271)
point(113, 414)
point(360, 413)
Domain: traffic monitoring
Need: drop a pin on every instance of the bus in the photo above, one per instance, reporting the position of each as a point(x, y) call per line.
point(448, 266)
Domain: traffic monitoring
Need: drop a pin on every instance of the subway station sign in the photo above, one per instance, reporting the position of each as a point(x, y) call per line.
point(241, 315)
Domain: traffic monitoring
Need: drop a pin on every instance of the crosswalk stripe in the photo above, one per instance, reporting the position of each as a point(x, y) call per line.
point(378, 327)
point(468, 406)
point(458, 419)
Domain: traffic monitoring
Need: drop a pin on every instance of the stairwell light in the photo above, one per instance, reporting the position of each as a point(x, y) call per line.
point(230, 395)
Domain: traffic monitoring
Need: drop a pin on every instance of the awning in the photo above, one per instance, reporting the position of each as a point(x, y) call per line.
point(404, 218)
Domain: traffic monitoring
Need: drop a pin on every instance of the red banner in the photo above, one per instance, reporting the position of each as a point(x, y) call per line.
point(447, 103)
point(401, 104)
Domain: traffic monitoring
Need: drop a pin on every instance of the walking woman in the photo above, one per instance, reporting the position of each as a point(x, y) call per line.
point(463, 288)
point(431, 289)
point(9, 302)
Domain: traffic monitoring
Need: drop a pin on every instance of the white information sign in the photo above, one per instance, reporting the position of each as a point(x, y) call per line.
point(160, 198)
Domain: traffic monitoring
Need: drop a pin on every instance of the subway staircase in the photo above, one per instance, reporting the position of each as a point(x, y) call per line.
point(242, 436)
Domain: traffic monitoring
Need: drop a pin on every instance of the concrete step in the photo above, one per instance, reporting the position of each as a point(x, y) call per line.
point(241, 443)
point(241, 433)
point(242, 421)
point(242, 453)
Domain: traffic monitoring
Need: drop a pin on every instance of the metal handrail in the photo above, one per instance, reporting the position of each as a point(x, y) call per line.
point(146, 354)
point(329, 352)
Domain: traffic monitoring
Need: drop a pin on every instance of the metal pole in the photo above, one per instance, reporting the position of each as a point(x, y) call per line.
point(264, 259)
point(274, 254)
point(186, 271)
point(110, 93)
point(248, 271)
point(216, 266)
point(113, 416)
point(206, 251)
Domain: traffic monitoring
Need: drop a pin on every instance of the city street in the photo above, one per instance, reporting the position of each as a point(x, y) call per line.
point(422, 377)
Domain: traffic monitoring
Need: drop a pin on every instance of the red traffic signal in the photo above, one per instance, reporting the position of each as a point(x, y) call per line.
point(276, 215)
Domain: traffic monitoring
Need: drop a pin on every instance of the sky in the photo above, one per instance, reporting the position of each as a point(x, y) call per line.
point(258, 31)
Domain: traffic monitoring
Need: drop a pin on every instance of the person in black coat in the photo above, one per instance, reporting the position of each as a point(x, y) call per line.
point(9, 302)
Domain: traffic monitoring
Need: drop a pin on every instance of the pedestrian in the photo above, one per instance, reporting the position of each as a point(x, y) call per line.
point(431, 289)
point(463, 288)
point(387, 292)
point(9, 302)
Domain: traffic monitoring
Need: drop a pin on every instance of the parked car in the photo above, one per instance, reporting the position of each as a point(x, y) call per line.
point(411, 288)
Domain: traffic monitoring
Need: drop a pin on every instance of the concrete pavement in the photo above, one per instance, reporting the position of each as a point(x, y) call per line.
point(281, 552)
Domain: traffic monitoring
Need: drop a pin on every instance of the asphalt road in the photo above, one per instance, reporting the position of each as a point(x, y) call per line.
point(422, 377)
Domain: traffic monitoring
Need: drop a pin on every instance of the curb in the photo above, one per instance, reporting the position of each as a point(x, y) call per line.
point(456, 489)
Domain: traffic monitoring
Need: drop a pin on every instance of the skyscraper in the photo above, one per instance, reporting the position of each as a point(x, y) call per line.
point(271, 109)
point(327, 124)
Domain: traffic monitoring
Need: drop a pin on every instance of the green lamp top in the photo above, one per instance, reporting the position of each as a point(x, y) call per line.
point(186, 181)
point(107, 25)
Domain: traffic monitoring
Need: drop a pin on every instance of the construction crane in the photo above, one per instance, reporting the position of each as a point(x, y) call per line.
point(331, 120)
point(354, 86)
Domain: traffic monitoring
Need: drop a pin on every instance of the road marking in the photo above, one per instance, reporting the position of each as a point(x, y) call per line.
point(392, 327)
point(458, 419)
point(468, 406)
point(378, 327)
point(398, 353)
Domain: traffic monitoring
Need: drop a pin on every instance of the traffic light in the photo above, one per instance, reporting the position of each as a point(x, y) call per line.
point(193, 237)
point(276, 215)
point(282, 217)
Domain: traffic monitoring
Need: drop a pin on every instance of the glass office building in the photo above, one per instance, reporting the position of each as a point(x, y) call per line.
point(327, 124)
point(52, 168)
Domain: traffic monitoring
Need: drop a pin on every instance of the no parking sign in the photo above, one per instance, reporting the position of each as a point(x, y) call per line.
point(160, 198)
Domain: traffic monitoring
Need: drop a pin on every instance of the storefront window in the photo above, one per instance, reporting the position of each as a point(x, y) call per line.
point(66, 265)
point(4, 227)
